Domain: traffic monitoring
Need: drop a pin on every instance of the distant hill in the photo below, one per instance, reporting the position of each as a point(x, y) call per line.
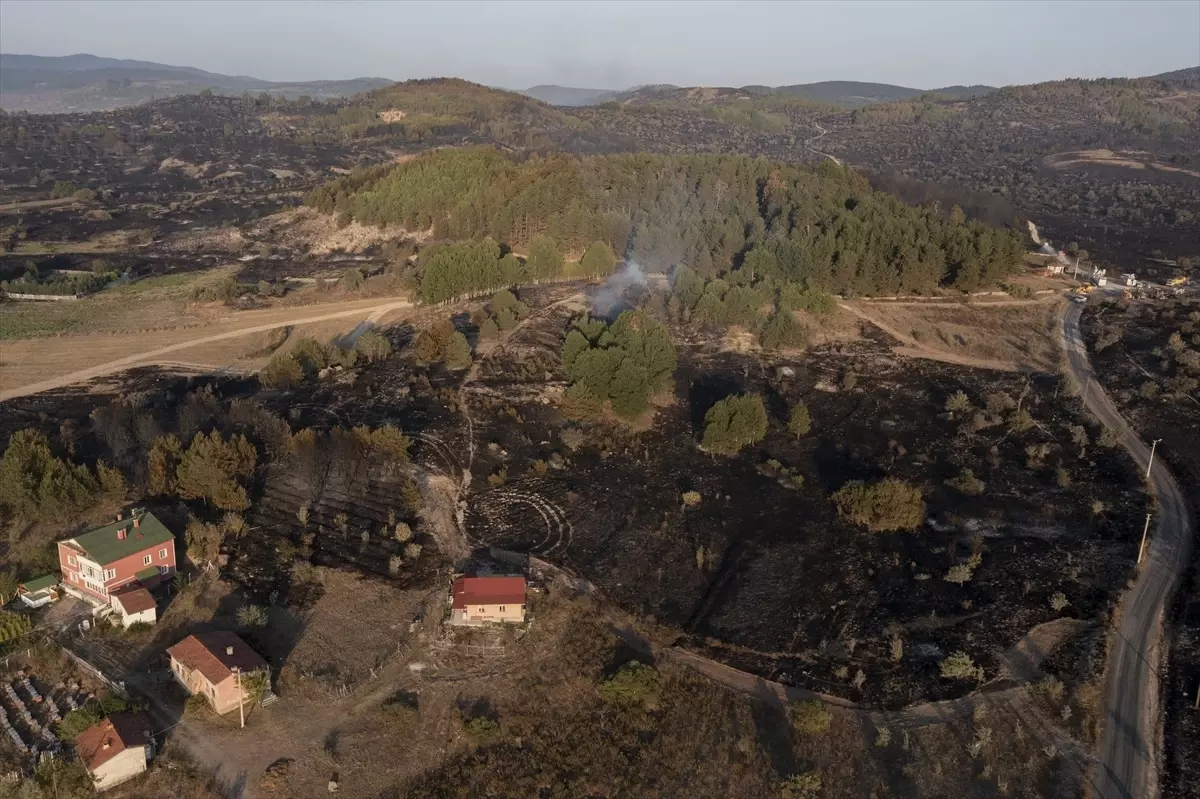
point(854, 94)
point(569, 95)
point(83, 82)
point(846, 93)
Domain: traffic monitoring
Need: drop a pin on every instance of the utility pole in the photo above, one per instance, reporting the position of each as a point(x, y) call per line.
point(1153, 446)
point(1145, 532)
point(237, 676)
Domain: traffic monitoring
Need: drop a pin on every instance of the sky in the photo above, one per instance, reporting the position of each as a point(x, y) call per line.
point(611, 44)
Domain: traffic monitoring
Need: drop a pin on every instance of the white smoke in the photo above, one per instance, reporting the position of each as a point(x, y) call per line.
point(609, 296)
point(1048, 250)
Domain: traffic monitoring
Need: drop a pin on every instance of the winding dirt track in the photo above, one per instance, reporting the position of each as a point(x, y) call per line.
point(1127, 766)
point(370, 312)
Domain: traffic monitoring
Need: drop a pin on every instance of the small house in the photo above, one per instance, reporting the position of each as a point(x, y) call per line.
point(479, 600)
point(116, 749)
point(214, 664)
point(134, 549)
point(134, 605)
point(40, 591)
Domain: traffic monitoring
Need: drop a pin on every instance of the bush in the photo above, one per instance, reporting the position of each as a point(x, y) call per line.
point(800, 423)
point(801, 786)
point(890, 504)
point(734, 423)
point(481, 729)
point(283, 371)
point(810, 717)
point(373, 346)
point(634, 684)
point(958, 403)
point(251, 616)
point(960, 666)
point(195, 704)
point(967, 483)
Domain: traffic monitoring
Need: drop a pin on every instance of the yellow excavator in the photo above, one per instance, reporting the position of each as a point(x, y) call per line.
point(1178, 282)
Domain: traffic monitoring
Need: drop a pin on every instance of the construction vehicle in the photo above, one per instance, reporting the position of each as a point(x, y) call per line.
point(1178, 282)
point(1086, 288)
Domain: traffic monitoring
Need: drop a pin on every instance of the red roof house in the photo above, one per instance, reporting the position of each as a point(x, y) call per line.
point(116, 749)
point(478, 600)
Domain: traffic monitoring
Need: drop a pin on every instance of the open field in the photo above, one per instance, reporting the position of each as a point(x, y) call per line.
point(33, 365)
point(1014, 336)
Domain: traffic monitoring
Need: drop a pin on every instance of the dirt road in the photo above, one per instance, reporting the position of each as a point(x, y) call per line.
point(808, 144)
point(1129, 742)
point(248, 323)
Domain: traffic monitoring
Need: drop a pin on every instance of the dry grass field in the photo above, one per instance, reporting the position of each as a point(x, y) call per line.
point(228, 340)
point(1008, 336)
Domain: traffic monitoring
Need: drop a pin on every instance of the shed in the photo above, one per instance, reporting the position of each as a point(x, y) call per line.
point(39, 591)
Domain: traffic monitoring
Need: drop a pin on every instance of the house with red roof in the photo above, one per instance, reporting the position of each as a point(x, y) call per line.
point(132, 550)
point(116, 749)
point(483, 600)
point(218, 665)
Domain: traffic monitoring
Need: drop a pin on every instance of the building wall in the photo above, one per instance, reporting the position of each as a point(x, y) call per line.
point(162, 556)
point(478, 614)
point(128, 764)
point(149, 616)
point(223, 696)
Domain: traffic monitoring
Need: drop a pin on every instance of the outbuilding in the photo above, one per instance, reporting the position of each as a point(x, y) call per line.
point(116, 749)
point(135, 605)
point(40, 591)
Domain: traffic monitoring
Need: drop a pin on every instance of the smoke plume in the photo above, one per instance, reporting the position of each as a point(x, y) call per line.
point(608, 297)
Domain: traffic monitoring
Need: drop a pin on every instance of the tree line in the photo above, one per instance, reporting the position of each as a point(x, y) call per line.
point(823, 228)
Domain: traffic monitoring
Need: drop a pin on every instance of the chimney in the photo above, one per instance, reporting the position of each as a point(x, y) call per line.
point(121, 534)
point(137, 522)
point(229, 650)
point(107, 743)
point(118, 517)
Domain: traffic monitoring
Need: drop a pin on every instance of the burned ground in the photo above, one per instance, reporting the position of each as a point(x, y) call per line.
point(1144, 372)
point(765, 576)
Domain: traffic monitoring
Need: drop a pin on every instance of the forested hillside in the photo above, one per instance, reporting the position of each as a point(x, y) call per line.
point(825, 227)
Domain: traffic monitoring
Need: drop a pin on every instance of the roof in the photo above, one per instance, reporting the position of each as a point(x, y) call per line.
point(489, 591)
point(102, 742)
point(147, 573)
point(103, 546)
point(38, 583)
point(206, 653)
point(135, 600)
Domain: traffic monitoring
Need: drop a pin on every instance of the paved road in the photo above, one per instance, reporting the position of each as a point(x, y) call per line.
point(1128, 751)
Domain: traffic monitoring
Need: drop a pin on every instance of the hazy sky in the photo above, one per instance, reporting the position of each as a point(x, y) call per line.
point(609, 44)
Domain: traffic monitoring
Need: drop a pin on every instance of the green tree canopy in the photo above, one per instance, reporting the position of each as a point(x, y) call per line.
point(625, 363)
point(887, 505)
point(734, 423)
point(211, 467)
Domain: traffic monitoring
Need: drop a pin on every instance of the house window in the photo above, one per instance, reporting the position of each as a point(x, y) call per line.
point(162, 554)
point(501, 608)
point(146, 560)
point(109, 574)
point(71, 561)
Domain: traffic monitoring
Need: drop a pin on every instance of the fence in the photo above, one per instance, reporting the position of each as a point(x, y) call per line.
point(116, 685)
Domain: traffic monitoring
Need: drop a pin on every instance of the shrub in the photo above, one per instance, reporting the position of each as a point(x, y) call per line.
point(960, 666)
point(457, 353)
point(734, 423)
point(634, 684)
point(1059, 602)
point(810, 717)
point(801, 786)
point(403, 532)
point(800, 423)
point(1020, 421)
point(252, 616)
point(1079, 435)
point(373, 346)
point(691, 498)
point(890, 504)
point(412, 550)
point(958, 403)
point(782, 331)
point(967, 483)
point(283, 371)
point(195, 704)
point(481, 729)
